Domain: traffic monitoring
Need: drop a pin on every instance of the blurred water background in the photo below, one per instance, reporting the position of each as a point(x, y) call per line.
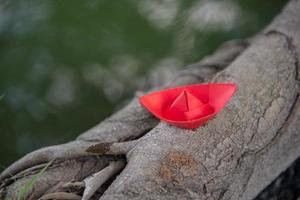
point(66, 65)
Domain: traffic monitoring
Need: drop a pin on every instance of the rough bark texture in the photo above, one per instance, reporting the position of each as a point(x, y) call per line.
point(234, 156)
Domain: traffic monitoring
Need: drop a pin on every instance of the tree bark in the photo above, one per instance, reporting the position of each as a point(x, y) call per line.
point(234, 156)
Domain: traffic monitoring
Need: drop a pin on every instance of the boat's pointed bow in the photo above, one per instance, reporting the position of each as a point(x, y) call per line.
point(220, 94)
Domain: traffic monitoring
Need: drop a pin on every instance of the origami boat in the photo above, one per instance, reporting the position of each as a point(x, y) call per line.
point(189, 106)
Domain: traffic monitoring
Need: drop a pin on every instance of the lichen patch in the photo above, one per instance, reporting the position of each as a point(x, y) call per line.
point(177, 166)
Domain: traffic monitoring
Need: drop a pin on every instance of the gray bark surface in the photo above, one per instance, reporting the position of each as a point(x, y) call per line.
point(234, 156)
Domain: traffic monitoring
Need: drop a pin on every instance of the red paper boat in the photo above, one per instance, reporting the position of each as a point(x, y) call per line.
point(189, 106)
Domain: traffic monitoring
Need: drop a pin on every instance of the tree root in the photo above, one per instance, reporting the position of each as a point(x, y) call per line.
point(60, 196)
point(93, 182)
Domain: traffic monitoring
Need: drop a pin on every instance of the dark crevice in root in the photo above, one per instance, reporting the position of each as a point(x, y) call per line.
point(76, 187)
point(94, 182)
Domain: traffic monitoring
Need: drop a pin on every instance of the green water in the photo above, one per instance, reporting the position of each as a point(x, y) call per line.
point(66, 65)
